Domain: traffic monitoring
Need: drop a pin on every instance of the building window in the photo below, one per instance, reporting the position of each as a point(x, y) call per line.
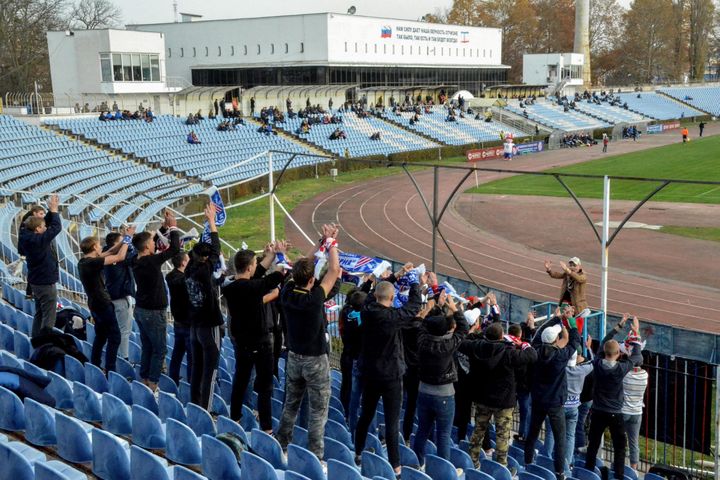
point(182, 52)
point(207, 52)
point(457, 52)
point(385, 49)
point(463, 51)
point(136, 68)
point(345, 47)
point(272, 48)
point(219, 51)
point(106, 70)
point(302, 47)
point(484, 55)
point(258, 49)
point(232, 50)
point(169, 52)
point(491, 53)
point(410, 49)
point(145, 64)
point(287, 48)
point(244, 49)
point(442, 51)
point(155, 67)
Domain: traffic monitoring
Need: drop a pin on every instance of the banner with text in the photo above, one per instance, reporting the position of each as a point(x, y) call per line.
point(484, 154)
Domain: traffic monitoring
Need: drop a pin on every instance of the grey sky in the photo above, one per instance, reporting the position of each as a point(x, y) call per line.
point(156, 11)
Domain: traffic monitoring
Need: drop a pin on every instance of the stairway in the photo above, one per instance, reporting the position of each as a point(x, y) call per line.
point(314, 149)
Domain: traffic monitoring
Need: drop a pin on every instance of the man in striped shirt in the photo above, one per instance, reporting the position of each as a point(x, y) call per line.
point(634, 385)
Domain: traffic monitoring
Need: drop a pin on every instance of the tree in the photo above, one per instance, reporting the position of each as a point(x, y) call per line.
point(24, 55)
point(94, 14)
point(606, 29)
point(702, 13)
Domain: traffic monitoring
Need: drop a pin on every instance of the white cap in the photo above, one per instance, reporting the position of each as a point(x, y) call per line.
point(471, 316)
point(550, 334)
point(575, 260)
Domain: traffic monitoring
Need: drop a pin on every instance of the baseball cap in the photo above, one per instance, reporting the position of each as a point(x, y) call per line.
point(550, 334)
point(574, 260)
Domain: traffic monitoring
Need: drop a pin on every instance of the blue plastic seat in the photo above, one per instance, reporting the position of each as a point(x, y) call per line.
point(584, 474)
point(74, 370)
point(460, 459)
point(255, 467)
point(183, 473)
point(218, 406)
point(338, 432)
point(73, 440)
point(375, 466)
point(23, 349)
point(540, 471)
point(12, 411)
point(61, 390)
point(7, 338)
point(143, 396)
point(39, 423)
point(304, 462)
point(55, 470)
point(183, 446)
point(495, 470)
point(116, 417)
point(95, 378)
point(15, 466)
point(170, 407)
point(477, 475)
point(10, 360)
point(184, 392)
point(338, 470)
point(225, 424)
point(144, 464)
point(218, 461)
point(166, 384)
point(335, 450)
point(248, 421)
point(528, 476)
point(147, 430)
point(545, 462)
point(111, 456)
point(438, 468)
point(86, 402)
point(300, 436)
point(374, 443)
point(199, 420)
point(124, 369)
point(268, 448)
point(120, 387)
point(408, 473)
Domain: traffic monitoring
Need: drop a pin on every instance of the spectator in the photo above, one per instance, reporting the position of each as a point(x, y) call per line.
point(205, 316)
point(701, 126)
point(634, 385)
point(349, 325)
point(523, 377)
point(216, 106)
point(303, 303)
point(382, 363)
point(375, 136)
point(192, 139)
point(180, 309)
point(101, 307)
point(605, 141)
point(440, 336)
point(198, 115)
point(251, 322)
point(39, 212)
point(35, 242)
point(573, 285)
point(493, 362)
point(609, 371)
point(555, 346)
point(151, 299)
point(252, 106)
point(120, 285)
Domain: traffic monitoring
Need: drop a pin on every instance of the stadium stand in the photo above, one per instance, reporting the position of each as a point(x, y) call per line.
point(706, 99)
point(657, 106)
point(553, 116)
point(461, 132)
point(610, 113)
point(163, 143)
point(358, 130)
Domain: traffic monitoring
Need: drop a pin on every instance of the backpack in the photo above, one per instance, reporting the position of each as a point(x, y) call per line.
point(72, 322)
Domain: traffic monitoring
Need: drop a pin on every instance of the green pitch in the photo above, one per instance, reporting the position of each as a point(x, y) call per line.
point(697, 160)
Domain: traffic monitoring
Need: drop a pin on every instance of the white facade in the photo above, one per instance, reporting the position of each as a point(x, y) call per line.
point(553, 68)
point(323, 39)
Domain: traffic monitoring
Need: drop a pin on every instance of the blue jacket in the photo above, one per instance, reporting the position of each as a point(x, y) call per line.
point(549, 376)
point(119, 279)
point(41, 260)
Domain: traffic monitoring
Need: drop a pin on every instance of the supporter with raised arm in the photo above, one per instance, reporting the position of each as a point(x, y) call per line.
point(438, 340)
point(151, 299)
point(39, 212)
point(35, 242)
point(382, 365)
point(205, 315)
point(609, 371)
point(101, 307)
point(349, 326)
point(555, 346)
point(248, 299)
point(302, 300)
point(523, 378)
point(634, 386)
point(120, 285)
point(494, 359)
point(573, 285)
point(180, 309)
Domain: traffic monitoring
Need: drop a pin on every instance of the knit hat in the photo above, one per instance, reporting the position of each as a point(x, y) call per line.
point(550, 334)
point(437, 325)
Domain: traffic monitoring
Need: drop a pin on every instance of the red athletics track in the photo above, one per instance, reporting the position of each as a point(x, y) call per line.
point(384, 217)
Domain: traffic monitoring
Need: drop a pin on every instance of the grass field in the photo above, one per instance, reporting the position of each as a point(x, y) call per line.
point(700, 233)
point(697, 160)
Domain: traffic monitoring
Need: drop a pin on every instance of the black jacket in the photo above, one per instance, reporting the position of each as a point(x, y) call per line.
point(608, 393)
point(203, 288)
point(549, 377)
point(147, 270)
point(350, 332)
point(41, 258)
point(523, 377)
point(119, 279)
point(436, 353)
point(381, 354)
point(492, 369)
point(179, 301)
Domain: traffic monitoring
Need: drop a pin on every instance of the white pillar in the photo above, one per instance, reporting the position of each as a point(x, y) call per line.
point(271, 185)
point(605, 251)
point(582, 37)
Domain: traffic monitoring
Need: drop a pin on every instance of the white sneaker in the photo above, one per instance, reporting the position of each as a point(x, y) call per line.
point(459, 472)
point(323, 464)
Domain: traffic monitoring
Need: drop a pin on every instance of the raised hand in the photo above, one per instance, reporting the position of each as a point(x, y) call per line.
point(547, 264)
point(210, 213)
point(588, 342)
point(424, 278)
point(564, 267)
point(130, 230)
point(635, 327)
point(53, 202)
point(170, 220)
point(442, 298)
point(530, 320)
point(624, 320)
point(281, 246)
point(432, 278)
point(557, 312)
point(451, 303)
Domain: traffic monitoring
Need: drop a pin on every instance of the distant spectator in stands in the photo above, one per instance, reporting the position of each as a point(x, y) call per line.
point(573, 285)
point(609, 371)
point(180, 309)
point(101, 307)
point(216, 107)
point(120, 285)
point(701, 126)
point(86, 108)
point(205, 315)
point(102, 117)
point(149, 116)
point(375, 136)
point(151, 299)
point(330, 104)
point(140, 107)
point(605, 141)
point(192, 138)
point(118, 115)
point(35, 242)
point(337, 134)
point(198, 115)
point(190, 119)
point(252, 106)
point(308, 367)
point(115, 107)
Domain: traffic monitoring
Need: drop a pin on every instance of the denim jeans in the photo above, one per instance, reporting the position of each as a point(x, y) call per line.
point(632, 428)
point(152, 326)
point(106, 331)
point(124, 315)
point(524, 403)
point(181, 347)
point(571, 418)
point(45, 309)
point(434, 409)
point(311, 373)
point(580, 436)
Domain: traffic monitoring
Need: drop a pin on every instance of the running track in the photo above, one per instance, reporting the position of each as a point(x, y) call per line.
point(384, 217)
